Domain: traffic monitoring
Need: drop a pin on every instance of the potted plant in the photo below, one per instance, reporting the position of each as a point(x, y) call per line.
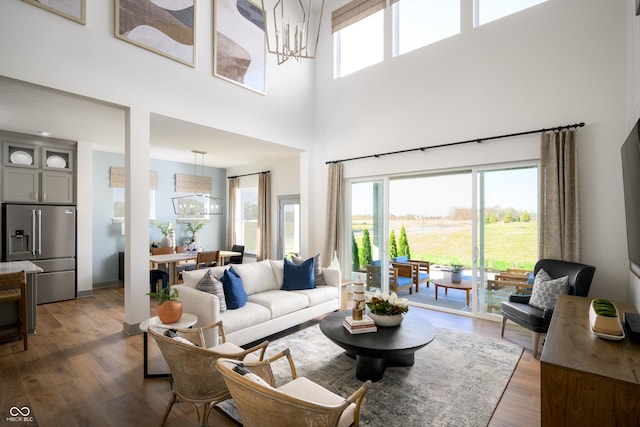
point(169, 306)
point(193, 228)
point(456, 273)
point(387, 310)
point(165, 229)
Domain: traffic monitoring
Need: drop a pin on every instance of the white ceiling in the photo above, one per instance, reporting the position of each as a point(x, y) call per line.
point(30, 109)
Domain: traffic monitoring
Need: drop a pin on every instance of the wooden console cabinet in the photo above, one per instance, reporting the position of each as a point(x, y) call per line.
point(586, 380)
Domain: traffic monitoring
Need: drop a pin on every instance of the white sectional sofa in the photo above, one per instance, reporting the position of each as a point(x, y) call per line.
point(268, 310)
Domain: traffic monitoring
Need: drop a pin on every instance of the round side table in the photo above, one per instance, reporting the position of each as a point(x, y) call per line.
point(186, 321)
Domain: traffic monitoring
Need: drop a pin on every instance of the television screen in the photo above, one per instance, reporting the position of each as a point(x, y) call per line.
point(631, 181)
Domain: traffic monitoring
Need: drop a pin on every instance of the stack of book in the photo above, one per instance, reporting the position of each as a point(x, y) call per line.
point(359, 326)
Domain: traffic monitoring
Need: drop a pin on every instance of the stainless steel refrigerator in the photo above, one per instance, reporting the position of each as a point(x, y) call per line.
point(46, 236)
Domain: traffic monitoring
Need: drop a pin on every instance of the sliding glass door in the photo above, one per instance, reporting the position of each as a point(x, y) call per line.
point(430, 219)
point(484, 220)
point(507, 233)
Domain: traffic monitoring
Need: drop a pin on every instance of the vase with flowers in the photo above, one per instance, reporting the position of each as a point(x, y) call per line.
point(387, 309)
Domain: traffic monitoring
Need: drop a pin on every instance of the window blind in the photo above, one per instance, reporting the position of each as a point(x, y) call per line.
point(116, 178)
point(353, 12)
point(193, 184)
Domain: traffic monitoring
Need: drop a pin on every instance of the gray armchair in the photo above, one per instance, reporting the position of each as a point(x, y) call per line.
point(518, 310)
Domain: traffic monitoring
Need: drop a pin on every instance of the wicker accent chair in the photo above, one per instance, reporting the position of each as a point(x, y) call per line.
point(260, 403)
point(13, 287)
point(190, 363)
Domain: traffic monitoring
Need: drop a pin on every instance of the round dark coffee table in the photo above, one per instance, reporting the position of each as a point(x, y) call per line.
point(374, 351)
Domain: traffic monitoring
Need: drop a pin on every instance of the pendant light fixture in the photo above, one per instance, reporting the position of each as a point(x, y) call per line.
point(291, 28)
point(200, 203)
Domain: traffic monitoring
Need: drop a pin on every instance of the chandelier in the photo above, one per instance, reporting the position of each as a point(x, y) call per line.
point(291, 29)
point(199, 204)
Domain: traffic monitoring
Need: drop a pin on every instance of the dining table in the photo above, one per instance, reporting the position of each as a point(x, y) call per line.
point(169, 262)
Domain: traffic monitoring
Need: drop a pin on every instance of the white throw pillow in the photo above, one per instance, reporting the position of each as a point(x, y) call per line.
point(546, 290)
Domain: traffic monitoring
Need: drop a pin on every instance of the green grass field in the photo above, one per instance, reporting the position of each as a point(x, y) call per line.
point(510, 245)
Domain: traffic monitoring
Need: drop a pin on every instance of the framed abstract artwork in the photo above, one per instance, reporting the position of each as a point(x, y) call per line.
point(240, 49)
point(165, 27)
point(70, 9)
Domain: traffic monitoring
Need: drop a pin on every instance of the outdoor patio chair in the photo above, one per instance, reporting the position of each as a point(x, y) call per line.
point(396, 281)
point(260, 403)
point(421, 271)
point(518, 310)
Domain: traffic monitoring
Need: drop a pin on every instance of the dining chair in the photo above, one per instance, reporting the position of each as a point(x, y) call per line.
point(237, 259)
point(13, 287)
point(207, 259)
point(161, 251)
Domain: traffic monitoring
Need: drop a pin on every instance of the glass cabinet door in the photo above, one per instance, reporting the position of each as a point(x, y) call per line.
point(21, 155)
point(57, 159)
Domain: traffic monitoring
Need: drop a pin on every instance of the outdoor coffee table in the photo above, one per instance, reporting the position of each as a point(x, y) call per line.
point(445, 283)
point(374, 351)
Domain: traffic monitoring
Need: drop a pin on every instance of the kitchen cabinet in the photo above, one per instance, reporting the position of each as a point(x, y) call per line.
point(38, 174)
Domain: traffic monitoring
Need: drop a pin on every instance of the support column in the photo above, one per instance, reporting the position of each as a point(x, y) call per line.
point(136, 241)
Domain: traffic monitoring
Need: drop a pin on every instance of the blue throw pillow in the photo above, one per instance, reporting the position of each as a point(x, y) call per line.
point(402, 258)
point(298, 277)
point(234, 293)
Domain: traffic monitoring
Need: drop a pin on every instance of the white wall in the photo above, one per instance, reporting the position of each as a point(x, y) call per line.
point(558, 63)
point(43, 48)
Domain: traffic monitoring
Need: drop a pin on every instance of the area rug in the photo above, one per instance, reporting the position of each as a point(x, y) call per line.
point(457, 379)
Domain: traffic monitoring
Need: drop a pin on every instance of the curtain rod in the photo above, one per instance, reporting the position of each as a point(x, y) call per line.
point(468, 141)
point(249, 174)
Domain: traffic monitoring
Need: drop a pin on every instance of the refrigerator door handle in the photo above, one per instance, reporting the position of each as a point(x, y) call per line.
point(39, 232)
point(33, 232)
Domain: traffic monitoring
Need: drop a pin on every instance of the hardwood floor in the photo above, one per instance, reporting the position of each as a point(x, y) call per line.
point(82, 370)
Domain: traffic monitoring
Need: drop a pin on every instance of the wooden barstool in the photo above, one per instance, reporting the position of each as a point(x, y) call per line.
point(13, 287)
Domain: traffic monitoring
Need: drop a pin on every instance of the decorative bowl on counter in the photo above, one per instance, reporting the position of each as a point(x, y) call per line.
point(604, 320)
